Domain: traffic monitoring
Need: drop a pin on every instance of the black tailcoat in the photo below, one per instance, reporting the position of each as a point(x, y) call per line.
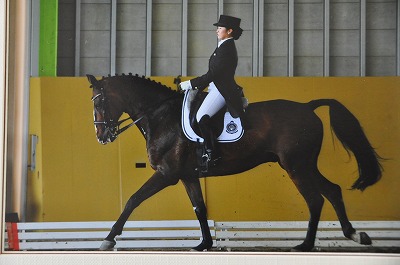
point(221, 70)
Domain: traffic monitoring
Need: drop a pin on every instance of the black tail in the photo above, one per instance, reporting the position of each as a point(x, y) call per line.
point(348, 130)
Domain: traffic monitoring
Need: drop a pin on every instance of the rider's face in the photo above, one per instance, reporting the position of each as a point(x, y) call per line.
point(223, 33)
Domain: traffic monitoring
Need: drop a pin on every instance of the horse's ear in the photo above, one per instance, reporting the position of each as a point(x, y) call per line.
point(92, 80)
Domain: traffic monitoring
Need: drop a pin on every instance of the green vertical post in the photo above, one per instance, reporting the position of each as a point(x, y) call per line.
point(48, 38)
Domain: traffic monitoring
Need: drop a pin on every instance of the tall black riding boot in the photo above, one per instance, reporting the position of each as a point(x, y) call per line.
point(210, 155)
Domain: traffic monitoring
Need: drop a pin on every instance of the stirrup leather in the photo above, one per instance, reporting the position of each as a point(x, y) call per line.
point(209, 159)
point(206, 157)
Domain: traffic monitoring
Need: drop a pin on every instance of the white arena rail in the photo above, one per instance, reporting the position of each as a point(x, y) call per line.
point(89, 235)
point(185, 234)
point(285, 235)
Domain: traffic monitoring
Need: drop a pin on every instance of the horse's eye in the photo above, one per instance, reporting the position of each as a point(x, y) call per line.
point(99, 105)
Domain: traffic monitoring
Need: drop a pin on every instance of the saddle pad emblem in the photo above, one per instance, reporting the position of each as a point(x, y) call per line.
point(232, 130)
point(231, 127)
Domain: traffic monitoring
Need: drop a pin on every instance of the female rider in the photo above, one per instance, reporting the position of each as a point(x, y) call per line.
point(222, 88)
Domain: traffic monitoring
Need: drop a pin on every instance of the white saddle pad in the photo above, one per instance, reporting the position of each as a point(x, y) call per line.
point(232, 130)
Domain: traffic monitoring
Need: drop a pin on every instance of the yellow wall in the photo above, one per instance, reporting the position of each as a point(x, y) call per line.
point(79, 179)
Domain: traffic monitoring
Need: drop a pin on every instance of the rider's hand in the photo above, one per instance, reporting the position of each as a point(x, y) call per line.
point(186, 85)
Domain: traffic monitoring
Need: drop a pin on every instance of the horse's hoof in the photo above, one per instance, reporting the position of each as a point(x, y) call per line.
point(202, 247)
point(107, 245)
point(302, 248)
point(361, 238)
point(365, 239)
point(195, 250)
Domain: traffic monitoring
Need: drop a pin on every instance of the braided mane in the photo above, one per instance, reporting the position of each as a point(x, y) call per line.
point(142, 80)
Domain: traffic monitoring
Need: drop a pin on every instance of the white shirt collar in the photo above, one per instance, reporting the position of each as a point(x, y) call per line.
point(222, 41)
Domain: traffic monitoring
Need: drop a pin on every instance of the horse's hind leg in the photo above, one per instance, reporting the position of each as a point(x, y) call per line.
point(303, 181)
point(333, 193)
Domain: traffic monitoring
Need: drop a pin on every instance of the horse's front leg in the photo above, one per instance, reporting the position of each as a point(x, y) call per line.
point(156, 183)
point(193, 189)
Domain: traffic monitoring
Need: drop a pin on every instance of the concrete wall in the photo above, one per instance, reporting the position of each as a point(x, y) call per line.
point(345, 42)
point(79, 179)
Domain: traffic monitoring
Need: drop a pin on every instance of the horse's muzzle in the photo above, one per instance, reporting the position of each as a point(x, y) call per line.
point(108, 136)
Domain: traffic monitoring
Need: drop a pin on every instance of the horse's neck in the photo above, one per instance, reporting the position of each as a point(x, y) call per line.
point(152, 109)
point(138, 107)
point(137, 94)
point(154, 116)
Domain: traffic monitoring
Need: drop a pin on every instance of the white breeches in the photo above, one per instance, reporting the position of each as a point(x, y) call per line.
point(213, 102)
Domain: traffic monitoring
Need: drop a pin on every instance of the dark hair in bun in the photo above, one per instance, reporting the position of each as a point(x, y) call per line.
point(236, 33)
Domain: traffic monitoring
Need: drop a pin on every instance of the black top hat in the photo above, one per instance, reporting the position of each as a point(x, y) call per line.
point(229, 22)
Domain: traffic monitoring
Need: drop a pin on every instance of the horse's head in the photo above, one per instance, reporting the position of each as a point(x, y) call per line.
point(107, 111)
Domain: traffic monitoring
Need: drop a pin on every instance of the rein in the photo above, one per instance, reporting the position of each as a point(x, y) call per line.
point(115, 125)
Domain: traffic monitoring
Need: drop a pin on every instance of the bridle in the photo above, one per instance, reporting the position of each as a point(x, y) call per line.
point(112, 128)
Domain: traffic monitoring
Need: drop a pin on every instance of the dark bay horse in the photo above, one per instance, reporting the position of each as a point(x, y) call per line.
point(281, 131)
